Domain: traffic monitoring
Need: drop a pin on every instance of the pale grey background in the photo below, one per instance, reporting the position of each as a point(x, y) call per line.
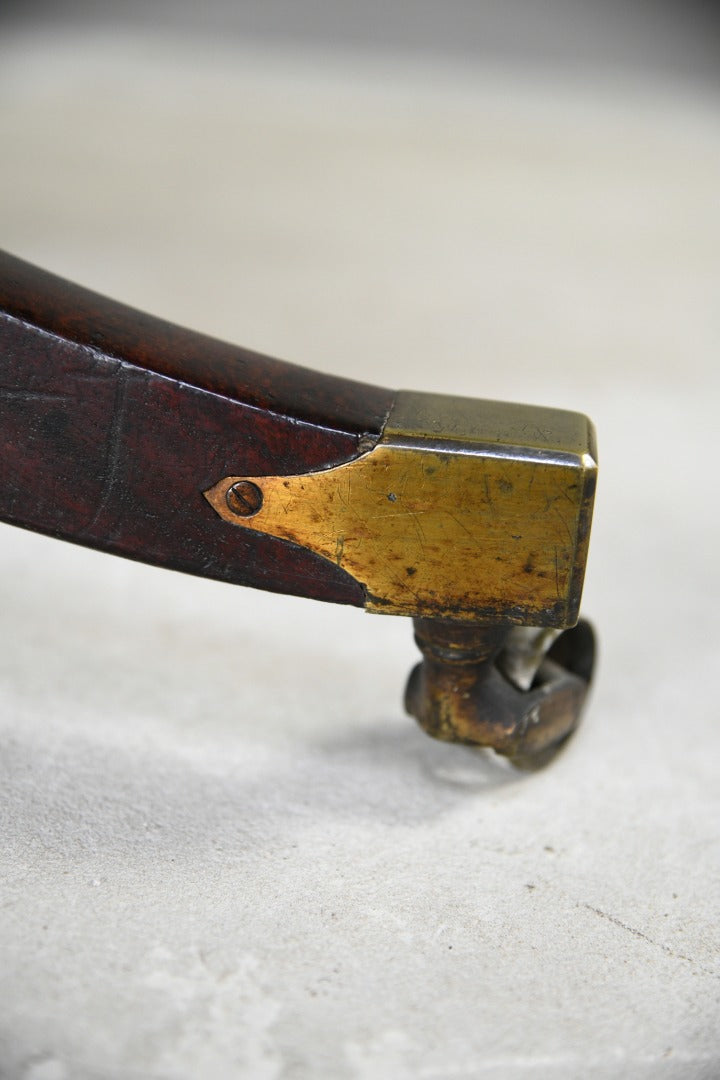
point(665, 37)
point(226, 853)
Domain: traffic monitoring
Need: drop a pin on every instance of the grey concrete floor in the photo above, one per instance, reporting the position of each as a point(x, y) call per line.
point(292, 881)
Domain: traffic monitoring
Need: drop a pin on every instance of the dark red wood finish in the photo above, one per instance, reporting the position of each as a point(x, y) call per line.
point(113, 423)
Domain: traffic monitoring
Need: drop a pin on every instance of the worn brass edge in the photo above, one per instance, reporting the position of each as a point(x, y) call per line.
point(487, 422)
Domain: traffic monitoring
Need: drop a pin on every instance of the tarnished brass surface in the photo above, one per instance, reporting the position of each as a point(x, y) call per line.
point(463, 509)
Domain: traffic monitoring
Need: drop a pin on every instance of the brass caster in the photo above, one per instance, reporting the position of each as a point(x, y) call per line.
point(516, 690)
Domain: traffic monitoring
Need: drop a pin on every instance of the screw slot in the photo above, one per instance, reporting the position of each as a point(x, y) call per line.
point(244, 498)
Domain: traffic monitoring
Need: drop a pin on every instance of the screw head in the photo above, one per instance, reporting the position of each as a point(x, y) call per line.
point(244, 498)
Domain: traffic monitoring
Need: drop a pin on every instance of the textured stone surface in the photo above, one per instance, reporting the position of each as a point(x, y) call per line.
point(225, 851)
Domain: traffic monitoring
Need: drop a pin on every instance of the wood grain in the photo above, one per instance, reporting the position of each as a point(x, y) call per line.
point(114, 422)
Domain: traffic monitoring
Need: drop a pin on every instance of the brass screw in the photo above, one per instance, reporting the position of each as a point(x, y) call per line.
point(244, 498)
